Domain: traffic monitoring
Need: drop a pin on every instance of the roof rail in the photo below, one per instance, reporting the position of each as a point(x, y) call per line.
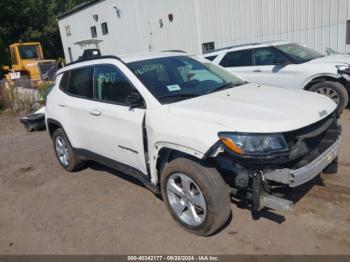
point(229, 47)
point(95, 58)
point(175, 51)
point(89, 53)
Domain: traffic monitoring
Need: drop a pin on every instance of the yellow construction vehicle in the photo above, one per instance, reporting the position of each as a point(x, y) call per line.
point(28, 62)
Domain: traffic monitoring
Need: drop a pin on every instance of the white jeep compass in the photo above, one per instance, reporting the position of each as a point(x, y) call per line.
point(192, 132)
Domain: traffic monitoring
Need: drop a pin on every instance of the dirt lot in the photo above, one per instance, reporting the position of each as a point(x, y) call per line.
point(45, 210)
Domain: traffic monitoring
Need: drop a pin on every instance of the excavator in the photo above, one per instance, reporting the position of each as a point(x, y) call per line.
point(28, 62)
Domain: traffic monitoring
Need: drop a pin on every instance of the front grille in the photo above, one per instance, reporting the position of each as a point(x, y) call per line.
point(308, 143)
point(48, 70)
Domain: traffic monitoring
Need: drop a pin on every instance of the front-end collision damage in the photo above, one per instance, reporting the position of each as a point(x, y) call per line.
point(310, 151)
point(343, 74)
point(162, 154)
point(344, 71)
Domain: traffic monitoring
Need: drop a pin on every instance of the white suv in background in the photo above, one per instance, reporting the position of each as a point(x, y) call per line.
point(191, 131)
point(288, 65)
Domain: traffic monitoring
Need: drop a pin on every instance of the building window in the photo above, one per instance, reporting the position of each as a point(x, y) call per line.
point(104, 27)
point(93, 31)
point(348, 32)
point(206, 47)
point(68, 33)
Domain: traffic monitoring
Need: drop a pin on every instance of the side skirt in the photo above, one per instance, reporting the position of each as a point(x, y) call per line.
point(133, 172)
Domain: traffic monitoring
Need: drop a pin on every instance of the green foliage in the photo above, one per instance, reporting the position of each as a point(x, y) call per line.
point(44, 89)
point(32, 20)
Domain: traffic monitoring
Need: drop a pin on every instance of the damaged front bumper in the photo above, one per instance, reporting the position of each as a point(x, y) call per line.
point(262, 198)
point(294, 178)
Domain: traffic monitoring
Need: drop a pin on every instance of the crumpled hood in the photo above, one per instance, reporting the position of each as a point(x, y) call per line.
point(256, 108)
point(336, 59)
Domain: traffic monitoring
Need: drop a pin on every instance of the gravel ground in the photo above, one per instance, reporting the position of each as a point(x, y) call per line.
point(45, 210)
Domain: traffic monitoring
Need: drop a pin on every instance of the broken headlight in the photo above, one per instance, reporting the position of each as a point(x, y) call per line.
point(254, 144)
point(344, 71)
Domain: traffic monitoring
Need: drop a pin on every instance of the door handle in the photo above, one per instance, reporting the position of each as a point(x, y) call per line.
point(257, 71)
point(62, 104)
point(95, 112)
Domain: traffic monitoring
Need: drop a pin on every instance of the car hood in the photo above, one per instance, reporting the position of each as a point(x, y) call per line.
point(256, 109)
point(336, 59)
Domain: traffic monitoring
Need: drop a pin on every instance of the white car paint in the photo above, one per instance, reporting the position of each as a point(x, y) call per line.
point(291, 76)
point(191, 126)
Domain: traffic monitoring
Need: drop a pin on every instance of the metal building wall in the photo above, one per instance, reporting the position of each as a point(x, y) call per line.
point(316, 23)
point(138, 27)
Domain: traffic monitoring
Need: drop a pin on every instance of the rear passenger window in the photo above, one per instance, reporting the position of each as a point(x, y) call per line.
point(238, 58)
point(64, 81)
point(111, 85)
point(81, 83)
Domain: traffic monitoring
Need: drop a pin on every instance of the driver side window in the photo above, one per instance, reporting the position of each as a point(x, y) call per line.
point(266, 56)
point(112, 86)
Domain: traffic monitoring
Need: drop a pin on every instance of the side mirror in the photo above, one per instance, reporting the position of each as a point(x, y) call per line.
point(134, 100)
point(281, 61)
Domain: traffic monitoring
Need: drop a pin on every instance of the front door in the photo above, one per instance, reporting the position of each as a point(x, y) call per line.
point(118, 129)
point(267, 68)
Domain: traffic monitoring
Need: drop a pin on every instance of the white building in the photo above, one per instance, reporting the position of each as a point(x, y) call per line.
point(195, 26)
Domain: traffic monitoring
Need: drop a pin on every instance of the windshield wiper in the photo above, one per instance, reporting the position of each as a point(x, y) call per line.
point(178, 95)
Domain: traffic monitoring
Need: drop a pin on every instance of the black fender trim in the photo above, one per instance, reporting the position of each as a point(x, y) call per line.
point(54, 122)
point(133, 172)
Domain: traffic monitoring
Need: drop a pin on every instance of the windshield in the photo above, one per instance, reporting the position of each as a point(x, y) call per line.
point(29, 52)
point(172, 79)
point(298, 53)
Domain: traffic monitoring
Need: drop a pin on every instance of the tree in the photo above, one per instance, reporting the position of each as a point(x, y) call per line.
point(32, 20)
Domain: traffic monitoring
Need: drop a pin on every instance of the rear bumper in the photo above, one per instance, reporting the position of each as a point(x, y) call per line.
point(294, 178)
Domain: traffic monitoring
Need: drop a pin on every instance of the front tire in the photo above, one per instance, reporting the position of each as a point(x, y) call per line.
point(64, 151)
point(335, 91)
point(196, 196)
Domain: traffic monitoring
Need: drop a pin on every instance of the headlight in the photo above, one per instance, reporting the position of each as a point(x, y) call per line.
point(343, 69)
point(254, 144)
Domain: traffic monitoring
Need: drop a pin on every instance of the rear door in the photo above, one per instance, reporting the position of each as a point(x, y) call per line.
point(74, 104)
point(239, 62)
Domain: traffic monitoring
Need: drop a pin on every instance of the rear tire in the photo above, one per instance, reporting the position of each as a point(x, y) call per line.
point(64, 151)
point(201, 207)
point(335, 91)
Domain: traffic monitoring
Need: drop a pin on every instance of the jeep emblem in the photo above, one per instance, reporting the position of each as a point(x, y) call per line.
point(322, 113)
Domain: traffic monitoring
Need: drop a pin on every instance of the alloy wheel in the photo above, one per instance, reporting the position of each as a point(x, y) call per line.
point(186, 199)
point(62, 150)
point(331, 93)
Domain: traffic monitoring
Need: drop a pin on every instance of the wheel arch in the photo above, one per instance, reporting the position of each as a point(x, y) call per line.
point(322, 78)
point(53, 125)
point(167, 152)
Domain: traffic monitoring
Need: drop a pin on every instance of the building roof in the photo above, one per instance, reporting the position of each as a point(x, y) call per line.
point(78, 8)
